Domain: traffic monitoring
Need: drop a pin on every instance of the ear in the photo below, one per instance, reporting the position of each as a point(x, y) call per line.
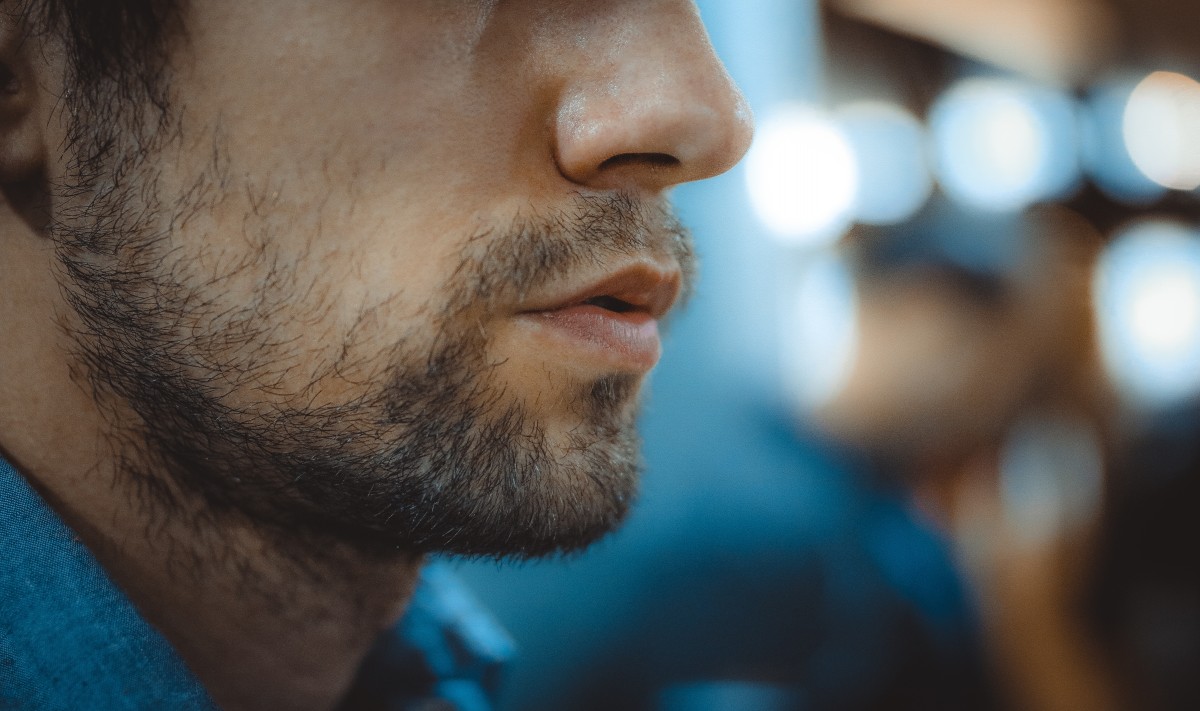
point(22, 129)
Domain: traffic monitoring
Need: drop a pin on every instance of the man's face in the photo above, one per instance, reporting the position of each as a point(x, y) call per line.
point(393, 271)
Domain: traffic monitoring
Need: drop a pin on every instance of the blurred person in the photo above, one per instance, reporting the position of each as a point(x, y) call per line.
point(295, 293)
point(952, 361)
point(953, 347)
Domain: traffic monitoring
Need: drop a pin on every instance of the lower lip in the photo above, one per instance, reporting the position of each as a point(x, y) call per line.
point(625, 340)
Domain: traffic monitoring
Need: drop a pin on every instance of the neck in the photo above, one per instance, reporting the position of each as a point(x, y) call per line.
point(262, 619)
point(263, 622)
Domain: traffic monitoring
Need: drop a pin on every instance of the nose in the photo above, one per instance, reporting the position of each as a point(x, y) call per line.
point(650, 104)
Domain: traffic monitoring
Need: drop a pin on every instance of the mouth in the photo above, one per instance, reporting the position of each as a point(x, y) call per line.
point(612, 303)
point(613, 321)
point(641, 288)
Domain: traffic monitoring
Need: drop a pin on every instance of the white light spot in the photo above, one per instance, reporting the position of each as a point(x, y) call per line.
point(1105, 151)
point(802, 177)
point(889, 151)
point(1160, 128)
point(1165, 311)
point(1001, 145)
point(1147, 296)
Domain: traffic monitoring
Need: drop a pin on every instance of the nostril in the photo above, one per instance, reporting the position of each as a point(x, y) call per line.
point(656, 160)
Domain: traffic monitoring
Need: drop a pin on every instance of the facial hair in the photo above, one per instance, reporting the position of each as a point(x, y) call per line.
point(430, 454)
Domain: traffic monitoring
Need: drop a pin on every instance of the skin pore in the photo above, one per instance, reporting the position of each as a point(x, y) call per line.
point(277, 348)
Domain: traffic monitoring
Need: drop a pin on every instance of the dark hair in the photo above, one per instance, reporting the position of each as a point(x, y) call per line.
point(105, 39)
point(115, 54)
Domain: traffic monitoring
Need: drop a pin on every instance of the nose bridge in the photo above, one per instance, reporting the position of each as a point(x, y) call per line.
point(648, 103)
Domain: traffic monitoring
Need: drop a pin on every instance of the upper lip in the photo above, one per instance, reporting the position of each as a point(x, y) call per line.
point(643, 287)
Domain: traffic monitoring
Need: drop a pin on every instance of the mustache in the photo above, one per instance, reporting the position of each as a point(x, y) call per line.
point(503, 266)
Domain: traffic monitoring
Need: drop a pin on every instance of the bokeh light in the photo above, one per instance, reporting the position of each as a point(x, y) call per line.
point(1051, 478)
point(1147, 299)
point(889, 151)
point(1160, 129)
point(802, 177)
point(1000, 144)
point(820, 333)
point(1105, 153)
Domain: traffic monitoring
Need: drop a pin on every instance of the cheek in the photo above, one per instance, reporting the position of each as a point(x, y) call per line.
point(300, 303)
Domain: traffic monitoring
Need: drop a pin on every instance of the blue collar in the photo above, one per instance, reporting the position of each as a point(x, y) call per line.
point(70, 639)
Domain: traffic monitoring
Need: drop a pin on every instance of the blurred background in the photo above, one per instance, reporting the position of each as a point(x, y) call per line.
point(929, 436)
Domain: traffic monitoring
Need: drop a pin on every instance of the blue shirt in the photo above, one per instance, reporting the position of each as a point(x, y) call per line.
point(70, 639)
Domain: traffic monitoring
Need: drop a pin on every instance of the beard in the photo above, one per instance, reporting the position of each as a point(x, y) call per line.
point(428, 451)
